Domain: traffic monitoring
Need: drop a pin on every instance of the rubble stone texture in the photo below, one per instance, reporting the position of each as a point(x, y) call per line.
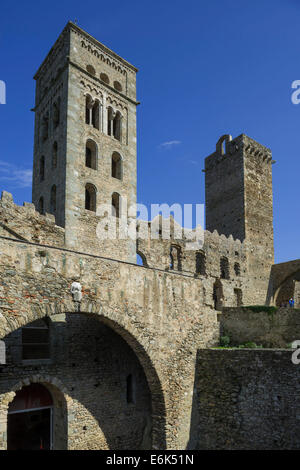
point(154, 324)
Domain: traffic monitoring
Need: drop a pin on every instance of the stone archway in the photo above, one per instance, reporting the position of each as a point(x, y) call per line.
point(58, 393)
point(114, 321)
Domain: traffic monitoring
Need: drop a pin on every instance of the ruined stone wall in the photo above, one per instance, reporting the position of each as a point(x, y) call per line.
point(24, 222)
point(157, 313)
point(271, 329)
point(239, 288)
point(246, 399)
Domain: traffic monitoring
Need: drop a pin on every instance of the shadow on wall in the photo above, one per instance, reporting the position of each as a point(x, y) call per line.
point(245, 400)
point(110, 403)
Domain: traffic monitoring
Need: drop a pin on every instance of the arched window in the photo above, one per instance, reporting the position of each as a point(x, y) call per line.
point(56, 113)
point(91, 154)
point(54, 155)
point(117, 123)
point(41, 205)
point(218, 297)
point(175, 258)
point(90, 197)
point(53, 199)
point(238, 297)
point(90, 69)
point(110, 114)
point(129, 389)
point(200, 263)
point(36, 340)
point(237, 269)
point(115, 203)
point(88, 109)
point(104, 78)
point(117, 86)
point(224, 268)
point(96, 114)
point(45, 127)
point(116, 166)
point(42, 168)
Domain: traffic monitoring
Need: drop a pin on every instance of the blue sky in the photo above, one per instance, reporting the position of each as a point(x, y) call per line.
point(205, 69)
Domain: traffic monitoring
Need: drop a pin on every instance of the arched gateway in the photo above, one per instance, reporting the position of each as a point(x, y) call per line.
point(97, 389)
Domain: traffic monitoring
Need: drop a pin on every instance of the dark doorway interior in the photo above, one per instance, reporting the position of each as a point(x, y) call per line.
point(30, 430)
point(29, 420)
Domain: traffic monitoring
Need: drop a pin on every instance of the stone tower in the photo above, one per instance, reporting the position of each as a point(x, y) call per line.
point(239, 199)
point(85, 140)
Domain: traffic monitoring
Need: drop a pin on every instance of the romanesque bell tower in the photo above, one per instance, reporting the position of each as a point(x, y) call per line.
point(85, 140)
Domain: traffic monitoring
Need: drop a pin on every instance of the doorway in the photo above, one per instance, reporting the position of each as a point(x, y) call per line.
point(30, 419)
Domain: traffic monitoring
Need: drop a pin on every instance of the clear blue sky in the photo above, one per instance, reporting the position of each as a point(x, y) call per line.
point(207, 68)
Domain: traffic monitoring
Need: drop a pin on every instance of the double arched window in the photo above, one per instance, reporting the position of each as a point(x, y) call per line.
point(92, 112)
point(114, 123)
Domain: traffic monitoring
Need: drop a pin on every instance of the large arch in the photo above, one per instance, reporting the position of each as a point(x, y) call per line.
point(120, 324)
point(286, 289)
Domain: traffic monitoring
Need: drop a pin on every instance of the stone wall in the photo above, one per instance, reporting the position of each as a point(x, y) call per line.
point(157, 313)
point(246, 399)
point(271, 329)
point(93, 364)
point(24, 222)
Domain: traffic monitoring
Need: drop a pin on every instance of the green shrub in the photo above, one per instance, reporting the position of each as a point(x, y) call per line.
point(262, 308)
point(249, 345)
point(224, 341)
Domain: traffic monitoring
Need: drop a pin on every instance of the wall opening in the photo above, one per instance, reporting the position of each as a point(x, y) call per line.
point(176, 258)
point(53, 199)
point(54, 155)
point(90, 197)
point(218, 297)
point(41, 205)
point(116, 166)
point(115, 203)
point(56, 113)
point(36, 340)
point(42, 168)
point(91, 154)
point(30, 419)
point(224, 268)
point(200, 263)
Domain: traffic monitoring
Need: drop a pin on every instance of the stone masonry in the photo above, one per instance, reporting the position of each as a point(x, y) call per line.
point(132, 361)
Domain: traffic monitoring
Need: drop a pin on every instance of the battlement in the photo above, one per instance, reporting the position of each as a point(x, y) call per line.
point(25, 223)
point(241, 145)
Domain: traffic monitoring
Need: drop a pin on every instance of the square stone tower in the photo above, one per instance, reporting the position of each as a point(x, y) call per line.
point(85, 140)
point(239, 199)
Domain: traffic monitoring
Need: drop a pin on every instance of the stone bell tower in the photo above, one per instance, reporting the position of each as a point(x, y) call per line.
point(85, 140)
